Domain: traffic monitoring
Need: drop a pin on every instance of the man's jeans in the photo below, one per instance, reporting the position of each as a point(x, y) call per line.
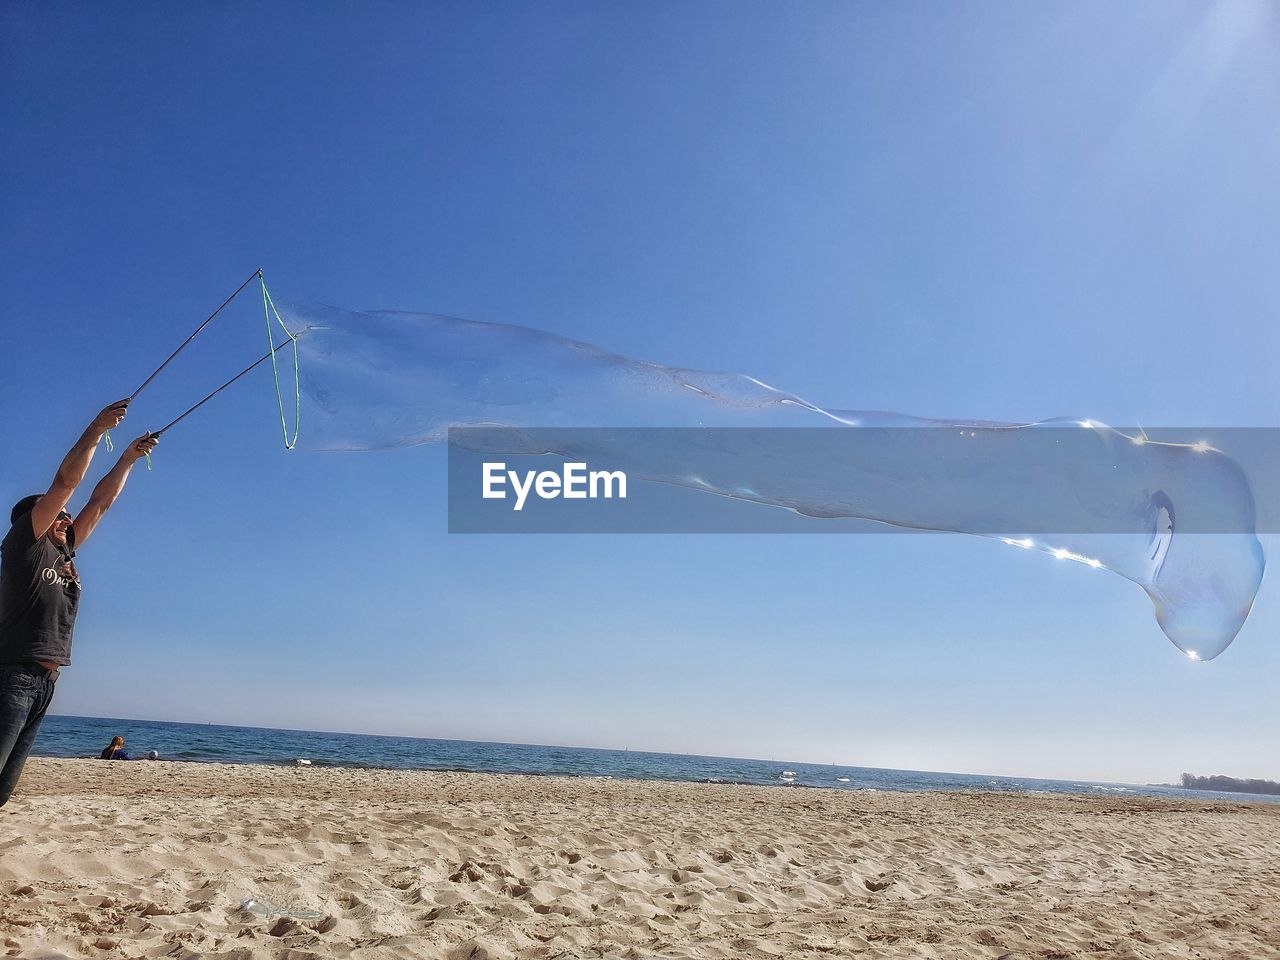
point(25, 692)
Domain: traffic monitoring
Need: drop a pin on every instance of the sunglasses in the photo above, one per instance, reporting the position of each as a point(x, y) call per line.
point(63, 515)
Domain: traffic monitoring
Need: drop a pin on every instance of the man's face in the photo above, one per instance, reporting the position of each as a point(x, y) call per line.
point(58, 532)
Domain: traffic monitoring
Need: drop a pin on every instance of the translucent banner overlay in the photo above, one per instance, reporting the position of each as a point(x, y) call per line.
point(1057, 478)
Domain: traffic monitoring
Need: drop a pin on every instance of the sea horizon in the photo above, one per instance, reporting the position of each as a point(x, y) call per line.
point(70, 736)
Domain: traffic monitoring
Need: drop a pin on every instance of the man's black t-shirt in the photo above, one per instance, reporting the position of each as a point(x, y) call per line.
point(39, 596)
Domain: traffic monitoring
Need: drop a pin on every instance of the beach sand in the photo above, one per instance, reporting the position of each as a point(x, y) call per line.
point(153, 860)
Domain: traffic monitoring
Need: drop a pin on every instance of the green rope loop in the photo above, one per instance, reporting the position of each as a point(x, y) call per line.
point(106, 435)
point(269, 308)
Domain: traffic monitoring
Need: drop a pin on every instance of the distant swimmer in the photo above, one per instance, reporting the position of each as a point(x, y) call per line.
point(40, 587)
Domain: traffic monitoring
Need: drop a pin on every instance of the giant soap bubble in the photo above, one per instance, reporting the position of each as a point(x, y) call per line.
point(1176, 519)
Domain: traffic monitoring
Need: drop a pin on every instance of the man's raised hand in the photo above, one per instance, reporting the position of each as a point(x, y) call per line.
point(111, 416)
point(141, 447)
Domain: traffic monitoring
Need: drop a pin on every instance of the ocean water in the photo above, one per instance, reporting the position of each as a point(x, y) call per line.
point(208, 743)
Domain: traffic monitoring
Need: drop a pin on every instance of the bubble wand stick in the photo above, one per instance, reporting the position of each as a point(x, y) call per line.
point(192, 409)
point(182, 346)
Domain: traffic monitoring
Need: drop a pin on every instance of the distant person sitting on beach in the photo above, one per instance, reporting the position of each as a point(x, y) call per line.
point(115, 750)
point(40, 587)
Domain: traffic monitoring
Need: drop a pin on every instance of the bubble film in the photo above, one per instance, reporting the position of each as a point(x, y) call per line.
point(1175, 518)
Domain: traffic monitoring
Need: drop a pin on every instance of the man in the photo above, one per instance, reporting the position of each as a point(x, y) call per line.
point(40, 589)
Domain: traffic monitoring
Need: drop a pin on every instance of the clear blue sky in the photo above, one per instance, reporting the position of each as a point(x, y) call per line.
point(998, 210)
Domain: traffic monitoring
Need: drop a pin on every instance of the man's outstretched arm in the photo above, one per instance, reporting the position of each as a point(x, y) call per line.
point(73, 468)
point(109, 487)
